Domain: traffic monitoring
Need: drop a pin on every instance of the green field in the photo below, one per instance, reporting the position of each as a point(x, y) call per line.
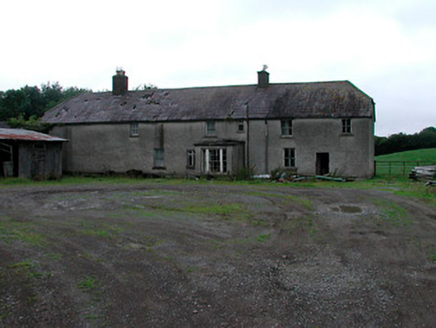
point(402, 163)
point(421, 155)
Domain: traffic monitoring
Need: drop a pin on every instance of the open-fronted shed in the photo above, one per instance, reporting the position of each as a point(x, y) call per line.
point(30, 154)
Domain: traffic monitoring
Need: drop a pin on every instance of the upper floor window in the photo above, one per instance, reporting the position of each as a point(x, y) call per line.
point(210, 128)
point(134, 129)
point(240, 126)
point(286, 127)
point(346, 125)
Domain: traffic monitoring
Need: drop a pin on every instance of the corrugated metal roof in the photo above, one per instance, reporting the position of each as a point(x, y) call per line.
point(20, 134)
point(290, 100)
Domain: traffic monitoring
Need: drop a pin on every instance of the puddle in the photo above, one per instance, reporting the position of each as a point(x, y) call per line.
point(347, 209)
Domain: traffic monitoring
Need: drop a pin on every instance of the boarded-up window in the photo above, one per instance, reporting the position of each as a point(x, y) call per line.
point(159, 160)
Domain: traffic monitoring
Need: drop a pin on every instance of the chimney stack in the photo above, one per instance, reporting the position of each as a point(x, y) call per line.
point(120, 83)
point(263, 78)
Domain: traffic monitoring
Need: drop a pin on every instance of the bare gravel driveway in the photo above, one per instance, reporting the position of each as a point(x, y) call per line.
point(215, 255)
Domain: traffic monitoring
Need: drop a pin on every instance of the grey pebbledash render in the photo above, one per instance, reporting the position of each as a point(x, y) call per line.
point(316, 127)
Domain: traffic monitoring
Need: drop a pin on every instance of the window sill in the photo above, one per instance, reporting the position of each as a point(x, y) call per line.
point(134, 136)
point(286, 136)
point(210, 136)
point(347, 134)
point(159, 168)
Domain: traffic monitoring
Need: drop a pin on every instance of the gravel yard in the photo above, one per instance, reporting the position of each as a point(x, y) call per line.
point(215, 255)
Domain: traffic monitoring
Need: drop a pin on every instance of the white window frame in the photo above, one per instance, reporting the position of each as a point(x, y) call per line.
point(289, 158)
point(215, 160)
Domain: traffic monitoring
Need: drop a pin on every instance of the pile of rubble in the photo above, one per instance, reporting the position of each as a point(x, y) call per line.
point(424, 173)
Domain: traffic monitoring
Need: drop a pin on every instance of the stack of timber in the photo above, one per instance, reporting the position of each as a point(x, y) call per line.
point(423, 173)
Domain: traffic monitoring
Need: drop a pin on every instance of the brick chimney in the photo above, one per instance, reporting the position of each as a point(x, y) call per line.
point(120, 83)
point(263, 78)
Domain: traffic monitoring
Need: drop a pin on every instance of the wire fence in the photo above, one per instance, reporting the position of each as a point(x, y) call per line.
point(397, 167)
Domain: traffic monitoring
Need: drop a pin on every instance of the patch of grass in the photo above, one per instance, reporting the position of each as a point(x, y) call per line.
point(102, 230)
point(307, 203)
point(263, 237)
point(22, 231)
point(91, 316)
point(28, 269)
point(223, 210)
point(393, 213)
point(54, 256)
point(88, 284)
point(301, 226)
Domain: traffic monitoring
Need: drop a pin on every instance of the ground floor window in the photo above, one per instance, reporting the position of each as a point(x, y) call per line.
point(190, 158)
point(159, 158)
point(215, 160)
point(289, 157)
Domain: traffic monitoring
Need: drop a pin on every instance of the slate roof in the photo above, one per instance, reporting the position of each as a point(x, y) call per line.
point(27, 135)
point(290, 100)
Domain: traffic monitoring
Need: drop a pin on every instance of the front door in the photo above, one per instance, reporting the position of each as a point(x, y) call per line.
point(322, 163)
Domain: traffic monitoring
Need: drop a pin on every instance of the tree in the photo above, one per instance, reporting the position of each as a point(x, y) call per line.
point(403, 142)
point(27, 102)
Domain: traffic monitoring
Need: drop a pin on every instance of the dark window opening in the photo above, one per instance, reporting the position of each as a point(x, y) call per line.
point(289, 157)
point(346, 125)
point(190, 158)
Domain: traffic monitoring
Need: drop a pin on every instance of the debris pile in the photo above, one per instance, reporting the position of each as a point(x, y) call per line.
point(423, 173)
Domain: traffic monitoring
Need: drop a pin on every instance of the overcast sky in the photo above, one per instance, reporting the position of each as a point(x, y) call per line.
point(387, 48)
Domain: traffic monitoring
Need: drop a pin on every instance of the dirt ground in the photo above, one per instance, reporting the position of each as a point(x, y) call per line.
point(162, 255)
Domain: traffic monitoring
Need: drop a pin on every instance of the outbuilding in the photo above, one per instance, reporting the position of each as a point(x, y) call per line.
point(30, 154)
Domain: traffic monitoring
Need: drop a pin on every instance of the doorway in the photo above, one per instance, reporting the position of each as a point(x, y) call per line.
point(322, 163)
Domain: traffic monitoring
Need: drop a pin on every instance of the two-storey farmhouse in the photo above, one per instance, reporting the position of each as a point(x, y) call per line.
point(317, 127)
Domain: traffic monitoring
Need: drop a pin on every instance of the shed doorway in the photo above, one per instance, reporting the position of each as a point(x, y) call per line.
point(322, 163)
